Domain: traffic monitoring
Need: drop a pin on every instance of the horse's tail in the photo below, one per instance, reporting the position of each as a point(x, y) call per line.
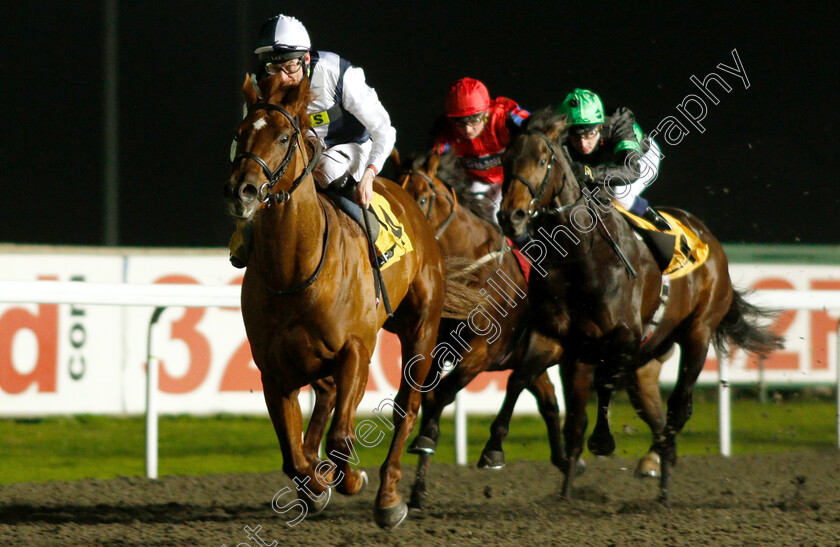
point(462, 294)
point(742, 327)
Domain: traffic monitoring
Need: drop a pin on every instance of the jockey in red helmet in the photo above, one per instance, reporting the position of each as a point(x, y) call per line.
point(478, 131)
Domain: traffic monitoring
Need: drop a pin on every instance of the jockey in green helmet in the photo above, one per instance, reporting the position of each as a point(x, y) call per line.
point(616, 151)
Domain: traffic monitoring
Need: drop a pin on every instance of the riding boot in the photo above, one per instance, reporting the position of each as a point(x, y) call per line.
point(656, 219)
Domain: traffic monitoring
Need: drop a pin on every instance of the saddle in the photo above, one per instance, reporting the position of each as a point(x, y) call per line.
point(384, 230)
point(678, 251)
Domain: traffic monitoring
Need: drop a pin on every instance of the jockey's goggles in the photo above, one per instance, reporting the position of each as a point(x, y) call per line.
point(585, 131)
point(469, 121)
point(288, 67)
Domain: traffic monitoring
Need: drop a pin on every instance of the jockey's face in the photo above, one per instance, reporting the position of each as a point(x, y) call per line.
point(587, 142)
point(296, 77)
point(471, 126)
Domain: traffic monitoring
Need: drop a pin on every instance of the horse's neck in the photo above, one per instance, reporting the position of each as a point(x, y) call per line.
point(290, 236)
point(468, 235)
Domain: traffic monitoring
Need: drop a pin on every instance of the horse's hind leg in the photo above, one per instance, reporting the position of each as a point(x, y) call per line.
point(416, 325)
point(680, 403)
point(284, 411)
point(324, 403)
point(350, 376)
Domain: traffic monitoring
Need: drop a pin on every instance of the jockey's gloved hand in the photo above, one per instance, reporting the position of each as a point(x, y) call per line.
point(582, 174)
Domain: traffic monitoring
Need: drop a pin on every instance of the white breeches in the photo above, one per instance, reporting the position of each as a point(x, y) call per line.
point(340, 159)
point(490, 192)
point(626, 194)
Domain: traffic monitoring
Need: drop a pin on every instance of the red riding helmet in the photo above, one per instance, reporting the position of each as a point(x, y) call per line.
point(466, 97)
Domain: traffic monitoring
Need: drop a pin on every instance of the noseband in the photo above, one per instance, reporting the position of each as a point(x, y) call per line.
point(264, 194)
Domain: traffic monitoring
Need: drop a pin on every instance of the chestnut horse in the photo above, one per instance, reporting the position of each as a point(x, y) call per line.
point(461, 233)
point(597, 296)
point(309, 303)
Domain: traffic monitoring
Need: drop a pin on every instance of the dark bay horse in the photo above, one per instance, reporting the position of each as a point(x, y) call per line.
point(586, 297)
point(461, 233)
point(309, 304)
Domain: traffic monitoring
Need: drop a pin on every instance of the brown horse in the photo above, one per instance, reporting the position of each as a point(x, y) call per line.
point(309, 304)
point(461, 233)
point(597, 295)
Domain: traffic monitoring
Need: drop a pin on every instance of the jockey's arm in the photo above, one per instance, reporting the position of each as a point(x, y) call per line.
point(625, 140)
point(361, 100)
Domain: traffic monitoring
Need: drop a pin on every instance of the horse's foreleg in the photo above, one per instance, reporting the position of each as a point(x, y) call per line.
point(539, 354)
point(324, 404)
point(680, 404)
point(284, 411)
point(643, 390)
point(577, 380)
point(543, 390)
point(425, 443)
point(601, 441)
point(351, 372)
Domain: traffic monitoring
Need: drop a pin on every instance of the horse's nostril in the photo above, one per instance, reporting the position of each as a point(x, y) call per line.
point(518, 216)
point(248, 191)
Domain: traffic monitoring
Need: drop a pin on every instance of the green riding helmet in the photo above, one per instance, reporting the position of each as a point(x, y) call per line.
point(582, 107)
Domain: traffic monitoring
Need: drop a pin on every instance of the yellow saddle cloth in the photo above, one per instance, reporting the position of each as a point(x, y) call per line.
point(393, 241)
point(682, 263)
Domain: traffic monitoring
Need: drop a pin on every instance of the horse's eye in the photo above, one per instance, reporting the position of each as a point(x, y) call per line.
point(542, 162)
point(283, 139)
point(422, 201)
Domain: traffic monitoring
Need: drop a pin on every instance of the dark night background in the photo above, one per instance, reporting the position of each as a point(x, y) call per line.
point(762, 172)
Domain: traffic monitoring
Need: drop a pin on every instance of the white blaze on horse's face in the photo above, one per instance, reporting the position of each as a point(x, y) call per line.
point(259, 124)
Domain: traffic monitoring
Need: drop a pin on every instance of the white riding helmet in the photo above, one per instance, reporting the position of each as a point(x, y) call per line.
point(283, 35)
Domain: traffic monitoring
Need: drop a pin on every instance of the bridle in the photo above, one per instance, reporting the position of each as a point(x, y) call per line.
point(537, 195)
point(534, 209)
point(450, 197)
point(266, 196)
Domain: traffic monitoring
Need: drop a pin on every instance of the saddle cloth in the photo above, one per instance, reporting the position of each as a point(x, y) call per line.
point(393, 241)
point(686, 258)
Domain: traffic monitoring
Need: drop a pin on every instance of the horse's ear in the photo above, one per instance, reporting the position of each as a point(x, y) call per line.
point(395, 155)
point(556, 129)
point(432, 164)
point(249, 90)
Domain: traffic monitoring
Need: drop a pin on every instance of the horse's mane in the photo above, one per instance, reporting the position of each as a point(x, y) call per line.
point(546, 120)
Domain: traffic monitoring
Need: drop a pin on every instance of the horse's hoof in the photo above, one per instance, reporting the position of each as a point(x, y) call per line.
point(601, 447)
point(390, 517)
point(365, 482)
point(422, 445)
point(649, 467)
point(418, 499)
point(315, 506)
point(491, 459)
point(564, 466)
